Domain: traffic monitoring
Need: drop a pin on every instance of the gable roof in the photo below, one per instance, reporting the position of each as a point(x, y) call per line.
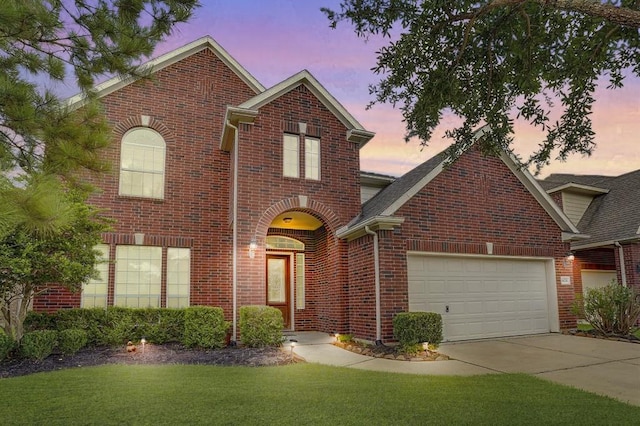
point(170, 58)
point(613, 216)
point(355, 131)
point(378, 212)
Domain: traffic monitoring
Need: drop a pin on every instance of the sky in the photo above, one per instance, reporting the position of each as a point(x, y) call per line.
point(274, 39)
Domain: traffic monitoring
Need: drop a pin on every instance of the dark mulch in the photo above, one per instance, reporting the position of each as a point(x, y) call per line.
point(153, 354)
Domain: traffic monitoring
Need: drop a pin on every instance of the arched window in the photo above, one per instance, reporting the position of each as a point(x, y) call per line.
point(278, 242)
point(142, 159)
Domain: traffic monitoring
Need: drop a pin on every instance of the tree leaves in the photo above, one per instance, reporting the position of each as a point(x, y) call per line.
point(492, 60)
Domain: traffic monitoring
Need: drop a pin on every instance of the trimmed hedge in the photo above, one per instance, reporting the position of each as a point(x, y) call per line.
point(38, 344)
point(412, 328)
point(71, 340)
point(7, 344)
point(205, 327)
point(261, 326)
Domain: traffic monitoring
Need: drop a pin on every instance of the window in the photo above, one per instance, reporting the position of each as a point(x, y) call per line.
point(312, 158)
point(291, 158)
point(138, 276)
point(94, 293)
point(300, 280)
point(142, 163)
point(178, 277)
point(278, 242)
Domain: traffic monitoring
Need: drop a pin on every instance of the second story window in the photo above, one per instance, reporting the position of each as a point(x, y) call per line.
point(291, 156)
point(142, 164)
point(312, 158)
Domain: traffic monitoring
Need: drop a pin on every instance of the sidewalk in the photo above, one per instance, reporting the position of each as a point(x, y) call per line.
point(316, 347)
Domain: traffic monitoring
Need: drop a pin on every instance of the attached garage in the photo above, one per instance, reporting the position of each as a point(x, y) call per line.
point(484, 296)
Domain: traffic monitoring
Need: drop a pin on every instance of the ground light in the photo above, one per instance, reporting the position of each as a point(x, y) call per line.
point(293, 345)
point(143, 341)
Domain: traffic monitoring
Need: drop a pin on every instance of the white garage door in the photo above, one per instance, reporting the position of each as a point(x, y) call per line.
point(480, 297)
point(596, 279)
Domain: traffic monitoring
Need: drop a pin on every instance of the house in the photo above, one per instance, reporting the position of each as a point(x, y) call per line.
point(606, 209)
point(227, 193)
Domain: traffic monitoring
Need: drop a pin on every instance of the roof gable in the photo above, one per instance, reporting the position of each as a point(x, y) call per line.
point(355, 132)
point(170, 58)
point(386, 203)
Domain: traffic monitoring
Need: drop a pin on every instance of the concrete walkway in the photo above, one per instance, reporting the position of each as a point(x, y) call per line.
point(604, 367)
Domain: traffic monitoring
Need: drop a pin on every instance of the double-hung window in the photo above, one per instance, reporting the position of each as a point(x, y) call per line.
point(142, 163)
point(291, 157)
point(312, 158)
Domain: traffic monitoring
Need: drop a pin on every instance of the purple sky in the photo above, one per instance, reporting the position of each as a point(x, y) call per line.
point(274, 39)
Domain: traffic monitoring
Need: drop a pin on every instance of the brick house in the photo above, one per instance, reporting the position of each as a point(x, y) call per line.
point(227, 193)
point(606, 210)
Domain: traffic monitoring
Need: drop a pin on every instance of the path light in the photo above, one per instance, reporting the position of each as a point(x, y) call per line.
point(143, 341)
point(425, 346)
point(336, 336)
point(293, 345)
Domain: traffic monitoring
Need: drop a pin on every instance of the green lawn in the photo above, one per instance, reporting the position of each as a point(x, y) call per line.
point(295, 394)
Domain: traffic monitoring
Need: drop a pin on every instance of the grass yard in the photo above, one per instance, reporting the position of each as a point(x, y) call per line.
point(295, 394)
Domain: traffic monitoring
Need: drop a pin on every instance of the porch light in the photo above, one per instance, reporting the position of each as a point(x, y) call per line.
point(253, 246)
point(570, 256)
point(287, 220)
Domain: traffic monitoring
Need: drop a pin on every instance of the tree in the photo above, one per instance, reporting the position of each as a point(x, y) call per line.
point(41, 41)
point(32, 262)
point(488, 61)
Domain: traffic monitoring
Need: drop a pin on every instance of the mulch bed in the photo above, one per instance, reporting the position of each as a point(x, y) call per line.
point(597, 335)
point(390, 352)
point(153, 354)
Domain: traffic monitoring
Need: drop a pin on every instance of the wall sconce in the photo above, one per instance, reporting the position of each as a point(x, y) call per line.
point(138, 238)
point(253, 245)
point(569, 258)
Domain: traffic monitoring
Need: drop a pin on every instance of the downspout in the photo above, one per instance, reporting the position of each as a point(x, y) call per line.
point(234, 280)
point(623, 271)
point(376, 268)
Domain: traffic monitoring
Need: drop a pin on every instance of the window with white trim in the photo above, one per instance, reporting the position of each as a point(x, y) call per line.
point(138, 276)
point(290, 156)
point(178, 277)
point(142, 163)
point(300, 291)
point(312, 158)
point(94, 293)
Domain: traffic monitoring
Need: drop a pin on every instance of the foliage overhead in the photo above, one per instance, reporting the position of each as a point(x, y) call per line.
point(490, 61)
point(43, 42)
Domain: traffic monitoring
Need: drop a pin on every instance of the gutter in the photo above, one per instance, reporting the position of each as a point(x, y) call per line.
point(376, 260)
point(623, 271)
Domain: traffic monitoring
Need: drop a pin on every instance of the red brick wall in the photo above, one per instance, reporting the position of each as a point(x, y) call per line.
point(264, 193)
point(476, 200)
point(186, 102)
point(631, 264)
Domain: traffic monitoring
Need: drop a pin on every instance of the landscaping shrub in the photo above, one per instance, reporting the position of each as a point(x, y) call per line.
point(261, 326)
point(72, 340)
point(91, 320)
point(413, 328)
point(39, 321)
point(159, 325)
point(204, 327)
point(38, 344)
point(6, 345)
point(613, 309)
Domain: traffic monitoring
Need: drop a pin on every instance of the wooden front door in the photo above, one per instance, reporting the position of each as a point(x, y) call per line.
point(278, 285)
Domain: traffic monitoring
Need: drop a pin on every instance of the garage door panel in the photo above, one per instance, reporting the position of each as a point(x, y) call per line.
point(487, 297)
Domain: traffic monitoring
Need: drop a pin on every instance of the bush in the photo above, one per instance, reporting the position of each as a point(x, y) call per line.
point(6, 345)
point(613, 309)
point(204, 327)
point(72, 340)
point(261, 326)
point(38, 344)
point(413, 328)
point(159, 325)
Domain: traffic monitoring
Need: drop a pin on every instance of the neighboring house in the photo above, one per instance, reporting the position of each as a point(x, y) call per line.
point(227, 193)
point(607, 210)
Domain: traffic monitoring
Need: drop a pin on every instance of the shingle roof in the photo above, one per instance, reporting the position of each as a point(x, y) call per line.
point(558, 179)
point(614, 216)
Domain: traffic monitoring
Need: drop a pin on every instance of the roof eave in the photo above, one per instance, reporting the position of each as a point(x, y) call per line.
point(232, 118)
point(377, 223)
point(578, 188)
point(605, 243)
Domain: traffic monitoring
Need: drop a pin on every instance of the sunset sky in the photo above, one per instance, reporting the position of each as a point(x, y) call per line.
point(274, 39)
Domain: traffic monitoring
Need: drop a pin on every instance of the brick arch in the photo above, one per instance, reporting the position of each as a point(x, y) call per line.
point(136, 121)
point(312, 207)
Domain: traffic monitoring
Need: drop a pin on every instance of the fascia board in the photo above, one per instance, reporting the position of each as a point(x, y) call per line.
point(400, 201)
point(539, 194)
point(235, 116)
point(170, 58)
point(377, 223)
point(576, 187)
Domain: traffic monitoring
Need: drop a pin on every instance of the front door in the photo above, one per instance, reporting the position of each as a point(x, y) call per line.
point(278, 285)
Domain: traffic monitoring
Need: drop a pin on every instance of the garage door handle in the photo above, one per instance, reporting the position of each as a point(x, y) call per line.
point(446, 308)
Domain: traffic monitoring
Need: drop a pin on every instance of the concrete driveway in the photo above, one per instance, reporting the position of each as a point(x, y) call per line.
point(604, 367)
